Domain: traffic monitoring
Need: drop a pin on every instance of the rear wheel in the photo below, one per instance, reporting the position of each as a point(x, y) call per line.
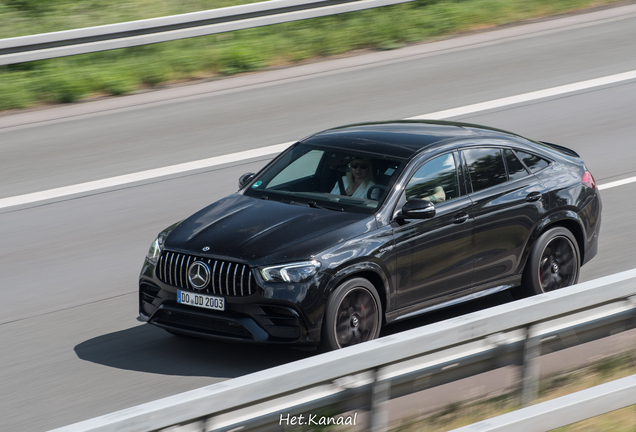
point(353, 315)
point(554, 263)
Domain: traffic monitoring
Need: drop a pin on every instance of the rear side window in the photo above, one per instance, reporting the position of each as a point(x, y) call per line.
point(486, 167)
point(516, 170)
point(533, 162)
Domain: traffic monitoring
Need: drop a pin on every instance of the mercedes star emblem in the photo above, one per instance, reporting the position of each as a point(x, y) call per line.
point(199, 275)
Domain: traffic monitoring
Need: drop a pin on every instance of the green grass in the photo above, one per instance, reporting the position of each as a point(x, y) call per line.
point(116, 72)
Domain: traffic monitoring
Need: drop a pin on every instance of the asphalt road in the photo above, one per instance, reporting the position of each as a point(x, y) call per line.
point(70, 345)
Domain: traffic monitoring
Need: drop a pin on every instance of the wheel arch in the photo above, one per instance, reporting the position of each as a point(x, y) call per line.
point(566, 219)
point(371, 271)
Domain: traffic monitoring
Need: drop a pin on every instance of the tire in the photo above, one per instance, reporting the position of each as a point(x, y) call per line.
point(554, 263)
point(353, 315)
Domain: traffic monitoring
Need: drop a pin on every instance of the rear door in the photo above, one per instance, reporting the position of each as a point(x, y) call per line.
point(508, 201)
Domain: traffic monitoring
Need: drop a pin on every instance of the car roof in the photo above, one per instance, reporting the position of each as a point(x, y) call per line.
point(401, 138)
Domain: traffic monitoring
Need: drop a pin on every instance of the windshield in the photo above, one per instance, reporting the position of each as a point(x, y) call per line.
point(328, 178)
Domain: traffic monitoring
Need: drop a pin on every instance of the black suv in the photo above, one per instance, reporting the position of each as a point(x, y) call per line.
point(363, 225)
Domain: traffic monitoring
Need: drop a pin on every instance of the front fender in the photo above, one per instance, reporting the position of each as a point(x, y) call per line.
point(360, 268)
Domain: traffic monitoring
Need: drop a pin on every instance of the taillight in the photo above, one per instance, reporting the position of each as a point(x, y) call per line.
point(588, 180)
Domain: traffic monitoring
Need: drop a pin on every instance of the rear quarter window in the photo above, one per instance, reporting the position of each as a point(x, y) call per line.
point(516, 170)
point(532, 161)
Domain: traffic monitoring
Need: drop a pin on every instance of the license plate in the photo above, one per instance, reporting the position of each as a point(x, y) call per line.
point(201, 300)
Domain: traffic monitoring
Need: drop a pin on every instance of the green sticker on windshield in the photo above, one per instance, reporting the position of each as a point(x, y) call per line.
point(257, 184)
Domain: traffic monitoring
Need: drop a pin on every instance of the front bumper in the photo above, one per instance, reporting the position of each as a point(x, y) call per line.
point(247, 319)
point(255, 311)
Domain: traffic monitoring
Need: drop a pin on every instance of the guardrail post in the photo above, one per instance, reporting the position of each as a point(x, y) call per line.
point(379, 403)
point(530, 380)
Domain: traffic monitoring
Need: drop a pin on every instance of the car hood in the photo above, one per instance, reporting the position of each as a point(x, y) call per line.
point(262, 232)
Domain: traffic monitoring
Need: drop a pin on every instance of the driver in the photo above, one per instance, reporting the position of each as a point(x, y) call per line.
point(358, 180)
point(438, 195)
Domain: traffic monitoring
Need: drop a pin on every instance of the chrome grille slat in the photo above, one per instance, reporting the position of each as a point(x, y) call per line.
point(207, 289)
point(172, 269)
point(227, 279)
point(181, 272)
point(168, 267)
point(187, 285)
point(213, 273)
point(165, 263)
point(175, 270)
point(220, 276)
point(242, 273)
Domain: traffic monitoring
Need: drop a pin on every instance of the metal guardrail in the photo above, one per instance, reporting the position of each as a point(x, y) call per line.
point(149, 31)
point(369, 374)
point(562, 411)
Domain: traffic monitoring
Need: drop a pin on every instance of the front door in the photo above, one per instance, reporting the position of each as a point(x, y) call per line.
point(434, 256)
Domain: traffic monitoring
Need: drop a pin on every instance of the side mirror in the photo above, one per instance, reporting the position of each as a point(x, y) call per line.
point(418, 209)
point(245, 179)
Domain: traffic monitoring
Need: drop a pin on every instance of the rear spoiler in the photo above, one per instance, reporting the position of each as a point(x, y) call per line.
point(561, 149)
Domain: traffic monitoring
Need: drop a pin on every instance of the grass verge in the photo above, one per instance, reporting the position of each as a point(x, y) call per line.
point(116, 72)
point(602, 371)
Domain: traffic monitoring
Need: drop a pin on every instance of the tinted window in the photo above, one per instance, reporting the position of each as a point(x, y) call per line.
point(435, 181)
point(515, 167)
point(533, 162)
point(486, 167)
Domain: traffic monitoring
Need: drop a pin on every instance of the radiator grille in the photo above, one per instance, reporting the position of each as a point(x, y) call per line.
point(226, 278)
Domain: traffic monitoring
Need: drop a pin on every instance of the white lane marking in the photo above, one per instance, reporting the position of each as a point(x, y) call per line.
point(617, 183)
point(140, 176)
point(526, 97)
point(265, 151)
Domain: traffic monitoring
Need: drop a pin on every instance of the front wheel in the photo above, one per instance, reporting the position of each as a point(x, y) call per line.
point(554, 263)
point(353, 315)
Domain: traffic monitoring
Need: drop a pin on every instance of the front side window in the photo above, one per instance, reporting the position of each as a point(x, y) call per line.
point(485, 167)
point(435, 181)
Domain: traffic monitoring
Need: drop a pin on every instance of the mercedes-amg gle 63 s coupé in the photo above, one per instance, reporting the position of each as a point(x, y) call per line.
point(362, 225)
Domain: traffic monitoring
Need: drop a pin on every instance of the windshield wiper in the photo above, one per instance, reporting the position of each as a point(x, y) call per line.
point(292, 202)
point(314, 204)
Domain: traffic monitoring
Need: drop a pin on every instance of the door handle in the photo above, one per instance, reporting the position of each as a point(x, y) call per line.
point(460, 217)
point(533, 196)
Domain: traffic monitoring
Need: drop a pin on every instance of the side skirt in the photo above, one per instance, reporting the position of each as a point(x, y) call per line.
point(453, 299)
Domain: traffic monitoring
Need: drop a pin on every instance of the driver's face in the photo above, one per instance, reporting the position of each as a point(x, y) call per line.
point(359, 169)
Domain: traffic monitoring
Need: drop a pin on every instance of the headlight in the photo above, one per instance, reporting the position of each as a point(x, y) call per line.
point(155, 249)
point(157, 246)
point(294, 272)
